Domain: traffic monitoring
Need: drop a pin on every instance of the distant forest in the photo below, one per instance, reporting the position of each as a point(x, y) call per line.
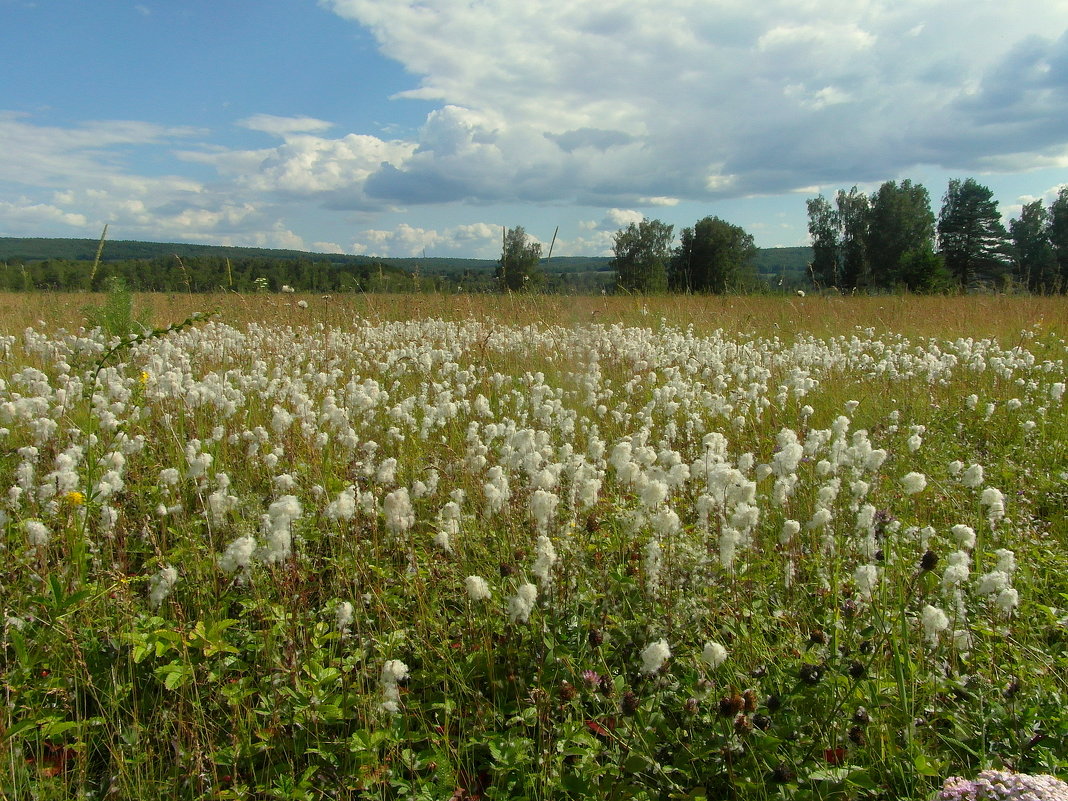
point(28, 264)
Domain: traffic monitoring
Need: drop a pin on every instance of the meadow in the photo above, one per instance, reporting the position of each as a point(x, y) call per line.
point(453, 547)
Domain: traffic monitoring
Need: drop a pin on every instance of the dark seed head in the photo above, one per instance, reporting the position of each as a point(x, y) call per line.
point(782, 774)
point(762, 722)
point(630, 702)
point(856, 735)
point(817, 637)
point(929, 561)
point(861, 716)
point(749, 700)
point(730, 705)
point(606, 686)
point(857, 669)
point(691, 706)
point(811, 674)
point(567, 691)
point(595, 637)
point(742, 725)
point(774, 703)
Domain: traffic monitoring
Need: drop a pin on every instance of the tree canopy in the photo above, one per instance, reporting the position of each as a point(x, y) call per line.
point(641, 254)
point(713, 256)
point(519, 268)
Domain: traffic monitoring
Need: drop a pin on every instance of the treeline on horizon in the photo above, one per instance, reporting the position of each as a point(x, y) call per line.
point(265, 272)
point(888, 241)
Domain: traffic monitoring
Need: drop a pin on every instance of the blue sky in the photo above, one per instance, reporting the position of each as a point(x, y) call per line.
point(397, 128)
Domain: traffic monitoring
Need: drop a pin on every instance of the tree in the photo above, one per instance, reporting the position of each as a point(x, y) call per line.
point(519, 266)
point(971, 238)
point(713, 256)
point(642, 251)
point(901, 229)
point(1058, 234)
point(823, 228)
point(853, 237)
point(1033, 255)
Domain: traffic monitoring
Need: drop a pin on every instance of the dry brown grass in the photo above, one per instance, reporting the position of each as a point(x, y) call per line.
point(946, 317)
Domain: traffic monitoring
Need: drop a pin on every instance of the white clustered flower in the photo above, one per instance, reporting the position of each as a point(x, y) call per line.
point(343, 614)
point(654, 655)
point(934, 623)
point(393, 671)
point(913, 482)
point(161, 584)
point(866, 578)
point(477, 588)
point(964, 535)
point(238, 554)
point(546, 558)
point(521, 604)
point(972, 476)
point(714, 654)
point(37, 533)
point(1000, 785)
point(398, 511)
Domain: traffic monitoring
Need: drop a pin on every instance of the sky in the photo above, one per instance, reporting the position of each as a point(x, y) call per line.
point(404, 127)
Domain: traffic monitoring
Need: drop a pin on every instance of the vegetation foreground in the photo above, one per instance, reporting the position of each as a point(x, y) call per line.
point(532, 548)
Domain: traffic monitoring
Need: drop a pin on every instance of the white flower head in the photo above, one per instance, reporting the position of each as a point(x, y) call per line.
point(913, 482)
point(934, 623)
point(654, 655)
point(477, 588)
point(714, 654)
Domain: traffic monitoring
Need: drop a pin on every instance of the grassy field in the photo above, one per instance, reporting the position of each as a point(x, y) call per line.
point(463, 547)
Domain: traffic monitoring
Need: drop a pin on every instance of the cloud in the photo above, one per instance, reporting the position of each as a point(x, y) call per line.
point(706, 99)
point(284, 126)
point(475, 240)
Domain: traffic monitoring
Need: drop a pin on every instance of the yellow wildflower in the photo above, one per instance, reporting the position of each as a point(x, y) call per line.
point(75, 498)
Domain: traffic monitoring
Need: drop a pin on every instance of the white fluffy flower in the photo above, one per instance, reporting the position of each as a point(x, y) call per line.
point(238, 555)
point(654, 655)
point(343, 614)
point(546, 558)
point(913, 482)
point(161, 584)
point(964, 535)
point(521, 604)
point(37, 533)
point(972, 477)
point(714, 654)
point(477, 588)
point(934, 623)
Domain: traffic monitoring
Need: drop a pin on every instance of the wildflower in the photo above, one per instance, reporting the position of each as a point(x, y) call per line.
point(546, 558)
point(75, 498)
point(973, 476)
point(1007, 601)
point(934, 623)
point(999, 785)
point(913, 482)
point(393, 672)
point(654, 655)
point(161, 584)
point(238, 554)
point(994, 501)
point(521, 604)
point(714, 654)
point(789, 529)
point(398, 511)
point(866, 578)
point(477, 588)
point(964, 535)
point(37, 533)
point(343, 614)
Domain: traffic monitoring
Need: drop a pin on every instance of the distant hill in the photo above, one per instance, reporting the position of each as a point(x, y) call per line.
point(54, 263)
